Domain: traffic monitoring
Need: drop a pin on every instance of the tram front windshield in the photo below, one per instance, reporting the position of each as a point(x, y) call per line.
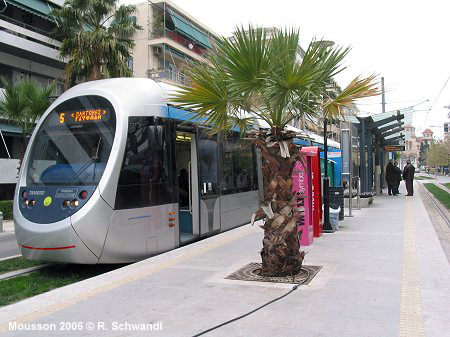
point(73, 144)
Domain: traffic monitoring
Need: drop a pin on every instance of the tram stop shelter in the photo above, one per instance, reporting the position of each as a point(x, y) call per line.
point(378, 135)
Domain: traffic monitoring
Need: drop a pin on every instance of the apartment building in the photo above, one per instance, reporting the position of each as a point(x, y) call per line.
point(169, 41)
point(26, 50)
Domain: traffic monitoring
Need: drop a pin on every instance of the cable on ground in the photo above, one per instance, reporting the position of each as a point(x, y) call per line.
point(295, 287)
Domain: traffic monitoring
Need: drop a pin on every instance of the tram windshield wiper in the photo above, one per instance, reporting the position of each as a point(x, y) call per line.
point(92, 160)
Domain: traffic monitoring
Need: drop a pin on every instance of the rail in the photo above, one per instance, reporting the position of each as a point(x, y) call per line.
point(170, 74)
point(24, 25)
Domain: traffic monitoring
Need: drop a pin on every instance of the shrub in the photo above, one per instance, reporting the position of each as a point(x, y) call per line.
point(6, 207)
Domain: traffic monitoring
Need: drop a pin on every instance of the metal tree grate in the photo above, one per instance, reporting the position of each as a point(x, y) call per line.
point(250, 272)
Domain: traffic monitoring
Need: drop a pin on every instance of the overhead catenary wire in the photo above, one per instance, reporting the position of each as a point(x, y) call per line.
point(439, 94)
point(414, 100)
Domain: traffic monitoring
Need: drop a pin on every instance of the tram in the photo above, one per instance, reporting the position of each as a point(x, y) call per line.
point(114, 174)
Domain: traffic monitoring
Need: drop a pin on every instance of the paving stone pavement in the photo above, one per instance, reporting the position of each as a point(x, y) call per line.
point(384, 274)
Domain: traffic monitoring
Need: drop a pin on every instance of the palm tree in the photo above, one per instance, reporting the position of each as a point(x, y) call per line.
point(23, 103)
point(96, 38)
point(252, 78)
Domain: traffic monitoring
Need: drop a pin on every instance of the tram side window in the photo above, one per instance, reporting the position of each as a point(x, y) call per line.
point(238, 166)
point(146, 173)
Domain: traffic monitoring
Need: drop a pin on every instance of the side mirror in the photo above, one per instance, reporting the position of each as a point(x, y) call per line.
point(155, 137)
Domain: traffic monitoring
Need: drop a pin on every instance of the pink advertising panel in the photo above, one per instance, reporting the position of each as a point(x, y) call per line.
point(301, 186)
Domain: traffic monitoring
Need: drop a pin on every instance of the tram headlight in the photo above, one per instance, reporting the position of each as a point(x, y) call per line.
point(65, 204)
point(31, 203)
point(74, 203)
point(25, 202)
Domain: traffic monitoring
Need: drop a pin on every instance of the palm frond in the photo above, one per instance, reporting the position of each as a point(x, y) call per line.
point(264, 77)
point(357, 89)
point(92, 49)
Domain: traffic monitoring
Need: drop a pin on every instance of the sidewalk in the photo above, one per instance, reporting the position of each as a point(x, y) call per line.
point(384, 274)
point(8, 226)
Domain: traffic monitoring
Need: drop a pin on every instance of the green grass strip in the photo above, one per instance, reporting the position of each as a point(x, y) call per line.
point(439, 194)
point(446, 185)
point(17, 263)
point(41, 281)
point(424, 177)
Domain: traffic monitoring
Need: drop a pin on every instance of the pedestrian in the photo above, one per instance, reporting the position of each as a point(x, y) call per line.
point(399, 176)
point(408, 177)
point(391, 178)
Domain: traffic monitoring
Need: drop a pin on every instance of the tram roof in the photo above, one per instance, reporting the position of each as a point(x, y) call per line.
point(133, 90)
point(306, 135)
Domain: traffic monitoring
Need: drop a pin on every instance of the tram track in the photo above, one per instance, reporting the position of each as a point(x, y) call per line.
point(20, 284)
point(442, 212)
point(29, 270)
point(25, 271)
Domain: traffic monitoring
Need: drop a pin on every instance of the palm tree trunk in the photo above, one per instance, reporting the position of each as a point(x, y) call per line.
point(281, 253)
point(95, 73)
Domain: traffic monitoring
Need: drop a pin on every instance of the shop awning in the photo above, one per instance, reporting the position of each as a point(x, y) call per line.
point(10, 129)
point(183, 27)
point(38, 7)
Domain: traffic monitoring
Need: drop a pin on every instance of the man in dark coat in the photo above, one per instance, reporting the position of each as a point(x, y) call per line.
point(399, 177)
point(408, 177)
point(391, 178)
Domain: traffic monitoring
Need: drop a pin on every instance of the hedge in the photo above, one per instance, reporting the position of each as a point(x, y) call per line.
point(6, 207)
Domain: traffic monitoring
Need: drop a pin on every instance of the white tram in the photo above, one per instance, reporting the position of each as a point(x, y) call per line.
point(113, 175)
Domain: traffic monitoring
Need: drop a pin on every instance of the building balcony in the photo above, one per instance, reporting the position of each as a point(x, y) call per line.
point(27, 41)
point(177, 41)
point(168, 75)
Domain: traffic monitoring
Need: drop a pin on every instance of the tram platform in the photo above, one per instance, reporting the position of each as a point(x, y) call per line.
point(384, 273)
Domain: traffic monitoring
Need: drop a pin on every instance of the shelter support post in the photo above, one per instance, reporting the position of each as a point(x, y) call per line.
point(362, 155)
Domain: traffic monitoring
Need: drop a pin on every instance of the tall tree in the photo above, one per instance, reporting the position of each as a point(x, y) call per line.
point(23, 103)
point(251, 78)
point(96, 38)
point(438, 154)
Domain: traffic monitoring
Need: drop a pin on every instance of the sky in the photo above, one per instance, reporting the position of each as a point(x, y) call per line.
point(406, 42)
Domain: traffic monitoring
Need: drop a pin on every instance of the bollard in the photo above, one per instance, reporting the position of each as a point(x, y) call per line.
point(1, 222)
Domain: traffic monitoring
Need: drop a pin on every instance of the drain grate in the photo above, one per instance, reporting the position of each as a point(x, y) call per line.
point(250, 273)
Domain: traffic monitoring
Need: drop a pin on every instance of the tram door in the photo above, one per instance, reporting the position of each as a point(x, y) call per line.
point(187, 168)
point(207, 149)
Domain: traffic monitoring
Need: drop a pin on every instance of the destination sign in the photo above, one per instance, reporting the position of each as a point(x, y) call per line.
point(66, 193)
point(83, 116)
point(391, 148)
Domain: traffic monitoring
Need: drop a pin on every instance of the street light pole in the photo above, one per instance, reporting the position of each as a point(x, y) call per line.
point(326, 182)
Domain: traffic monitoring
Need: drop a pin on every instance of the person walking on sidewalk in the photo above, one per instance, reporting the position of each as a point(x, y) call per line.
point(391, 178)
point(399, 177)
point(408, 177)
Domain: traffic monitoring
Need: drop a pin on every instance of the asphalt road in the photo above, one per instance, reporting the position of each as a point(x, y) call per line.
point(8, 245)
point(438, 179)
